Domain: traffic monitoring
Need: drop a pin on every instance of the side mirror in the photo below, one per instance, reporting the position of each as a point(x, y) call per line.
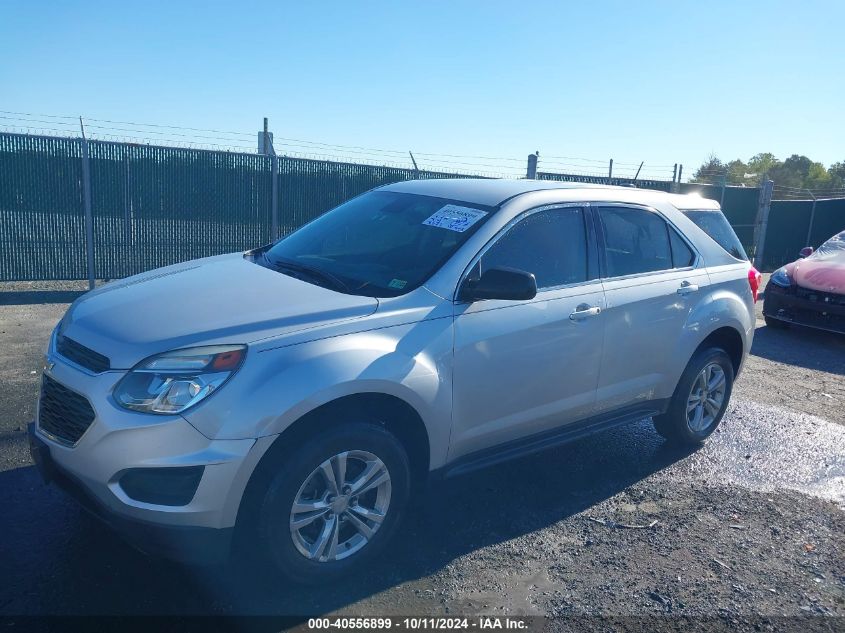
point(500, 283)
point(806, 251)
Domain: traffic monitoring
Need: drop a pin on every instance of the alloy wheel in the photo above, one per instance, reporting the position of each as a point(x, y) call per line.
point(706, 397)
point(340, 506)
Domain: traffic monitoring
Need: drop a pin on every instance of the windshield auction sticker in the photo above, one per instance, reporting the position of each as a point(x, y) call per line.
point(455, 218)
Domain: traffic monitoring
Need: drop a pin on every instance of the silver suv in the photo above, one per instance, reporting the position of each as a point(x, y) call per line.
point(299, 393)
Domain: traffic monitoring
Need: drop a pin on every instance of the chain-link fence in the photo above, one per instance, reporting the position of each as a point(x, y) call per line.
point(150, 206)
point(153, 206)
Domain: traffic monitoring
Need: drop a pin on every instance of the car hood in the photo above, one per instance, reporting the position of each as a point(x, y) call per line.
point(224, 299)
point(822, 273)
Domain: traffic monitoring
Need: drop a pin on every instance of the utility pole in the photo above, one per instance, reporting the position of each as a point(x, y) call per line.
point(413, 160)
point(86, 201)
point(680, 173)
point(531, 172)
point(724, 180)
point(609, 171)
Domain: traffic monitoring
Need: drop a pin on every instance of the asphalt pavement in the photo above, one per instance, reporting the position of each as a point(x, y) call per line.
point(615, 524)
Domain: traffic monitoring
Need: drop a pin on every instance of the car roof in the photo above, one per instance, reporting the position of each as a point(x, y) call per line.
point(493, 192)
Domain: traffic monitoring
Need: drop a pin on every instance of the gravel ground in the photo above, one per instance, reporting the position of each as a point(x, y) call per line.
point(751, 526)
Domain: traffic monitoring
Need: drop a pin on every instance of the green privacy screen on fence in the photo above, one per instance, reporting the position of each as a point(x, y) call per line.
point(739, 205)
point(42, 223)
point(789, 221)
point(154, 206)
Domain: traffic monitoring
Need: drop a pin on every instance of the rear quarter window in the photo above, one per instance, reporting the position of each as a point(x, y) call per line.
point(716, 225)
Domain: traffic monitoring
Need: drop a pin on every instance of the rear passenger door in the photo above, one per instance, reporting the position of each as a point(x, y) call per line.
point(651, 283)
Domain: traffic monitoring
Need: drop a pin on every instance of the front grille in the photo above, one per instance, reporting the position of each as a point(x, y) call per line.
point(81, 355)
point(63, 413)
point(826, 298)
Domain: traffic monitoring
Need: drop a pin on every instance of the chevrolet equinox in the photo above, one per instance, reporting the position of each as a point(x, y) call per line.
point(300, 392)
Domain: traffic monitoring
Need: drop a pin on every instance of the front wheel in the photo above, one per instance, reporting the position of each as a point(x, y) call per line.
point(700, 399)
point(335, 502)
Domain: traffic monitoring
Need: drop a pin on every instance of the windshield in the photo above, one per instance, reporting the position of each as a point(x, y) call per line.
point(380, 244)
point(716, 225)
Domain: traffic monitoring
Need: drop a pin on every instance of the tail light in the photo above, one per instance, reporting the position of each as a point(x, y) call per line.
point(754, 280)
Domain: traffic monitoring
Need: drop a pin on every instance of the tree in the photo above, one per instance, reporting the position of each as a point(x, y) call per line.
point(710, 171)
point(793, 172)
point(837, 174)
point(797, 171)
point(737, 171)
point(713, 170)
point(760, 165)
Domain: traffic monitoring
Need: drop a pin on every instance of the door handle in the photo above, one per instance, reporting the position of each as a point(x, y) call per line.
point(687, 287)
point(583, 311)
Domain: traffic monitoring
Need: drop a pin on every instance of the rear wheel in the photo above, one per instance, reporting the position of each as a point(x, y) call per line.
point(335, 503)
point(775, 324)
point(700, 399)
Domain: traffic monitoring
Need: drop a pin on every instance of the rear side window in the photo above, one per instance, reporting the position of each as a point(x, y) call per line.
point(636, 241)
point(716, 225)
point(682, 255)
point(552, 244)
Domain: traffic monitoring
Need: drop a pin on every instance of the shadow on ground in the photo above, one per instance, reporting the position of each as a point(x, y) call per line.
point(803, 347)
point(57, 560)
point(38, 297)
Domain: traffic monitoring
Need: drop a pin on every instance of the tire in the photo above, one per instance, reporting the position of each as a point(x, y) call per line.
point(675, 425)
point(297, 478)
point(775, 324)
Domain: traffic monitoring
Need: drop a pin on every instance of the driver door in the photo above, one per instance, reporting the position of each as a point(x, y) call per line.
point(523, 367)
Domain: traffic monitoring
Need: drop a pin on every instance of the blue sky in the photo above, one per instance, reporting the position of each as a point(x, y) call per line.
point(662, 82)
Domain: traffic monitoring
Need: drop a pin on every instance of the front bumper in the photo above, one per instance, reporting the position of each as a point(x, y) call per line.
point(190, 544)
point(810, 309)
point(118, 441)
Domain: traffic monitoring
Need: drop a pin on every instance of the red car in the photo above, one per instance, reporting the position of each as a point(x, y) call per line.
point(811, 290)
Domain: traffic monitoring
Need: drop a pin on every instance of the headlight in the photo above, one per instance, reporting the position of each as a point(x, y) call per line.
point(174, 381)
point(780, 278)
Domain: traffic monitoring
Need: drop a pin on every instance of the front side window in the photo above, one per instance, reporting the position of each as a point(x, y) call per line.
point(551, 244)
point(380, 244)
point(636, 241)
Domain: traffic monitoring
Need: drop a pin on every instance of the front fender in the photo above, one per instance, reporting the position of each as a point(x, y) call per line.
point(278, 386)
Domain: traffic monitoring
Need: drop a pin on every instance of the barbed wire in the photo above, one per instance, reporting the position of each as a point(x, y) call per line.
point(157, 133)
point(427, 162)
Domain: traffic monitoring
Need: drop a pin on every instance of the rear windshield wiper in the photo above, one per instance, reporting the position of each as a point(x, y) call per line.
point(310, 271)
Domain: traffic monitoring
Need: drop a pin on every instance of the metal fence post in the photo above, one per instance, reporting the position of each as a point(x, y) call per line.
point(274, 198)
point(86, 201)
point(762, 223)
point(812, 217)
point(673, 186)
point(531, 172)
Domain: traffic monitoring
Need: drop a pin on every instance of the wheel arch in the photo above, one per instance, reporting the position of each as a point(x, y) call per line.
point(729, 339)
point(395, 414)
